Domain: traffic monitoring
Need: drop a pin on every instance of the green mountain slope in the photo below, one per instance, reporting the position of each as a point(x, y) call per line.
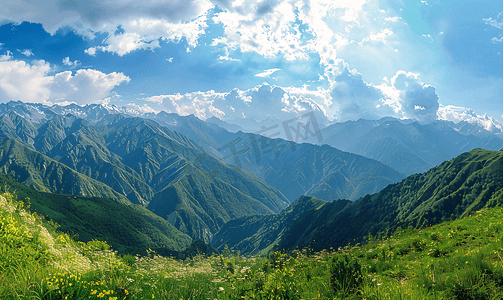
point(14, 126)
point(127, 228)
point(40, 172)
point(455, 188)
point(84, 150)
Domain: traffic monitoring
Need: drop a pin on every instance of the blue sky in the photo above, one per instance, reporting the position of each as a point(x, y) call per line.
point(344, 60)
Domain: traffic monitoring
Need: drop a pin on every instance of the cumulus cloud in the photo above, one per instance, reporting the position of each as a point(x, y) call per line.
point(199, 104)
point(353, 98)
point(417, 100)
point(21, 81)
point(293, 29)
point(6, 56)
point(31, 83)
point(265, 27)
point(85, 86)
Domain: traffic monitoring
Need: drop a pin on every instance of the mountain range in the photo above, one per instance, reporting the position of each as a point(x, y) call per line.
point(175, 166)
point(211, 181)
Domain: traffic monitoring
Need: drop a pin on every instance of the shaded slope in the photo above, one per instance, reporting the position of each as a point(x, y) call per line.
point(320, 171)
point(258, 234)
point(200, 204)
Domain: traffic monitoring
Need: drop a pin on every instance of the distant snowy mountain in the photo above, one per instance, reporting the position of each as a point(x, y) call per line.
point(408, 146)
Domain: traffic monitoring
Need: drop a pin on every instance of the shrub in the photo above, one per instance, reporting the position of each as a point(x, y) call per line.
point(345, 274)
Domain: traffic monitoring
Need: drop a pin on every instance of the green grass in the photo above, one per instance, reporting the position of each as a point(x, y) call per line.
point(460, 259)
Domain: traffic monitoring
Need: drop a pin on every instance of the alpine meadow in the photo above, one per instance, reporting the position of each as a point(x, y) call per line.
point(265, 149)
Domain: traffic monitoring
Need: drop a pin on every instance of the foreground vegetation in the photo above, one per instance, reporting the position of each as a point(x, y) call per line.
point(460, 259)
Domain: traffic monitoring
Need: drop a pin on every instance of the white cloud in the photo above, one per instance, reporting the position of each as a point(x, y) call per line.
point(156, 99)
point(498, 23)
point(256, 103)
point(6, 56)
point(86, 86)
point(21, 81)
point(348, 97)
point(91, 51)
point(378, 37)
point(267, 73)
point(31, 83)
point(226, 57)
point(266, 27)
point(67, 62)
point(26, 52)
point(392, 19)
point(497, 40)
point(134, 108)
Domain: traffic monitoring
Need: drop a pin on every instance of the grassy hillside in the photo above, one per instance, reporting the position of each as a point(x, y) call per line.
point(459, 259)
point(129, 229)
